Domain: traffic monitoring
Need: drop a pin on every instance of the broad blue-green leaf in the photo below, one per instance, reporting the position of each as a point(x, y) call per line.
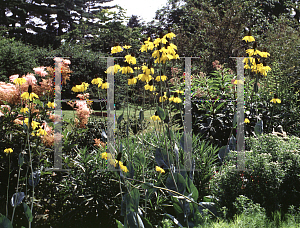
point(135, 196)
point(232, 143)
point(17, 198)
point(160, 113)
point(192, 189)
point(27, 212)
point(134, 220)
point(224, 150)
point(258, 129)
point(141, 116)
point(160, 159)
point(120, 118)
point(174, 220)
point(179, 180)
point(36, 178)
point(147, 185)
point(21, 159)
point(188, 139)
point(5, 222)
point(234, 122)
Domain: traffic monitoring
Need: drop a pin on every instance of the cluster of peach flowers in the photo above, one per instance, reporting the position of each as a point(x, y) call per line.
point(82, 108)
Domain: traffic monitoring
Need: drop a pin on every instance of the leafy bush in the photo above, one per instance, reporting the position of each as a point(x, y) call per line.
point(272, 175)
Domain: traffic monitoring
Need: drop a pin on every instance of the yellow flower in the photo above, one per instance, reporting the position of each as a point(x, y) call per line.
point(143, 48)
point(175, 99)
point(132, 81)
point(8, 150)
point(34, 124)
point(19, 81)
point(178, 91)
point(170, 35)
point(80, 88)
point(264, 70)
point(105, 85)
point(275, 100)
point(41, 132)
point(155, 54)
point(24, 110)
point(249, 38)
point(163, 98)
point(104, 155)
point(264, 54)
point(123, 167)
point(116, 49)
point(126, 47)
point(252, 52)
point(130, 59)
point(126, 70)
point(29, 96)
point(150, 87)
point(158, 169)
point(113, 69)
point(97, 81)
point(50, 105)
point(162, 78)
point(144, 77)
point(246, 120)
point(154, 118)
point(238, 82)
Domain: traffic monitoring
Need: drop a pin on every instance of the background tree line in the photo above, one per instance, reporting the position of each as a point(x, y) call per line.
point(85, 30)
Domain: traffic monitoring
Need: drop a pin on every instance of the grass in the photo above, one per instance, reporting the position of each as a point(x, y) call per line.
point(133, 112)
point(254, 220)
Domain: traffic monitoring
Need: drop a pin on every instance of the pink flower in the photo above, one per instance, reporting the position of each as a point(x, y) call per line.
point(30, 79)
point(66, 61)
point(13, 77)
point(40, 71)
point(57, 59)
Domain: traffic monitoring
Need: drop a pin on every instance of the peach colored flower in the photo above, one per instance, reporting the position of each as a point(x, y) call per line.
point(30, 79)
point(13, 77)
point(40, 71)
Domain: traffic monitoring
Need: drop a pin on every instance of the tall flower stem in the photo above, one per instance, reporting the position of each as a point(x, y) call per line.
point(7, 185)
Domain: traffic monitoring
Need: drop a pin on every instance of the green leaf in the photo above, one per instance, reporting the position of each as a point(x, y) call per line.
point(39, 103)
point(141, 116)
point(176, 206)
point(146, 222)
point(192, 189)
point(21, 159)
point(120, 225)
point(169, 133)
point(258, 129)
point(234, 122)
point(5, 222)
point(135, 196)
point(160, 113)
point(27, 212)
point(174, 220)
point(120, 118)
point(139, 158)
point(147, 185)
point(179, 180)
point(134, 220)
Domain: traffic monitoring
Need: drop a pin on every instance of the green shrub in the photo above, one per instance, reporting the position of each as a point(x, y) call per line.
point(271, 177)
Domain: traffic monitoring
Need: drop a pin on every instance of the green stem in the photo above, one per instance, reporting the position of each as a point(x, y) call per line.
point(7, 185)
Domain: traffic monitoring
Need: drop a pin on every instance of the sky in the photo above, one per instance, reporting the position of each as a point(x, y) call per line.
point(145, 9)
